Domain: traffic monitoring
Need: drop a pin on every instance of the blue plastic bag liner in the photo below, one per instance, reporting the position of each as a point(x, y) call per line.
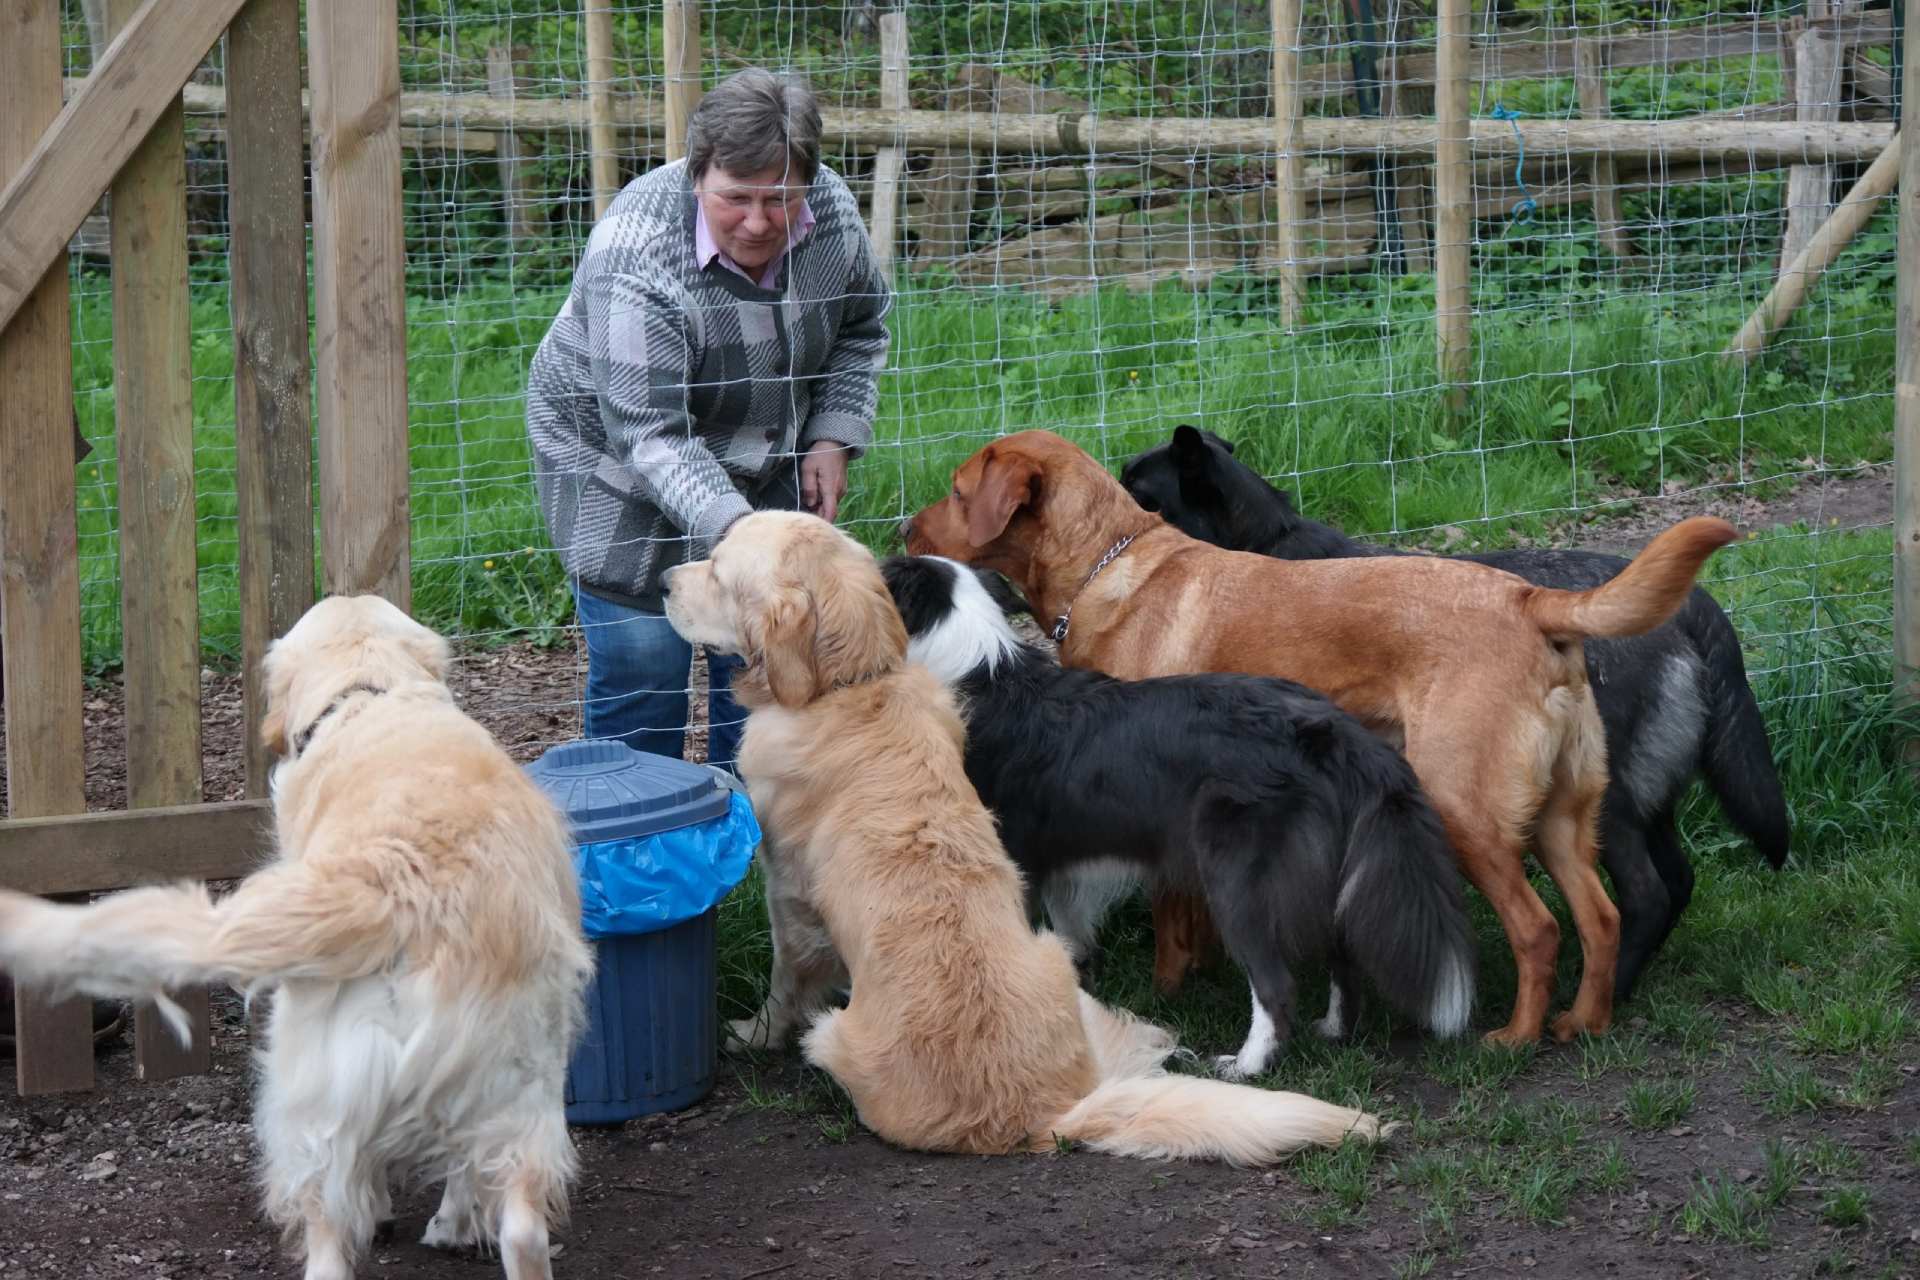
point(657, 840)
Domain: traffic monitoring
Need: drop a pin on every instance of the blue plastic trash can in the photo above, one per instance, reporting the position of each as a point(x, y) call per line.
point(657, 844)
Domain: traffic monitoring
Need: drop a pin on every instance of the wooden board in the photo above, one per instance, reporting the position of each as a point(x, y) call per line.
point(1290, 208)
point(680, 42)
point(159, 577)
point(272, 373)
point(597, 16)
point(1906, 399)
point(1591, 83)
point(87, 852)
point(516, 174)
point(360, 297)
point(1816, 90)
point(49, 195)
point(39, 547)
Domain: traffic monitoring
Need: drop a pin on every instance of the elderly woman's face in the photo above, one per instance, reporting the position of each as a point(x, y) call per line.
point(748, 213)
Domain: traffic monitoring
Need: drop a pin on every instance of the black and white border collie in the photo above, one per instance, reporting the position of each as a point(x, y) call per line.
point(1307, 836)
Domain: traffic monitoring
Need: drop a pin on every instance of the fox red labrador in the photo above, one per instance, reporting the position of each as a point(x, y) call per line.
point(1478, 673)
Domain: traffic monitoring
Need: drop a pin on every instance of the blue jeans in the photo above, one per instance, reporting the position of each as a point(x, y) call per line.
point(637, 681)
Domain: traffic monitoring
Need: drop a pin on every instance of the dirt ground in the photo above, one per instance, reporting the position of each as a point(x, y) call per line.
point(767, 1178)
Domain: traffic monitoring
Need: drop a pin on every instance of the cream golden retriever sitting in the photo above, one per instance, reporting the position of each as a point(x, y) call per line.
point(966, 1030)
point(420, 928)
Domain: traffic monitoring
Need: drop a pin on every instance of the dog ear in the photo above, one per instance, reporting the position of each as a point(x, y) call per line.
point(859, 632)
point(1006, 485)
point(273, 730)
point(1189, 447)
point(430, 649)
point(786, 647)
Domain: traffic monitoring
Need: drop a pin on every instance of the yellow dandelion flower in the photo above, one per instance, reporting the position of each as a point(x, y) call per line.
point(487, 565)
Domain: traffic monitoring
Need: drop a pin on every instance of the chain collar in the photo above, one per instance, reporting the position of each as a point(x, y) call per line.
point(1060, 624)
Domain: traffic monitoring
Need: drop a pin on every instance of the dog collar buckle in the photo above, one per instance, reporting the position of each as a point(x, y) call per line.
point(1059, 631)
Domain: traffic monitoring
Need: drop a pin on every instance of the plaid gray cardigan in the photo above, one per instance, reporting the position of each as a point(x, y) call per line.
point(667, 401)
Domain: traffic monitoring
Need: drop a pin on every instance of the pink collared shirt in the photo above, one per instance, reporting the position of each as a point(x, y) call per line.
point(705, 250)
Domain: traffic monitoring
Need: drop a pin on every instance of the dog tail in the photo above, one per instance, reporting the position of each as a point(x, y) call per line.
point(1643, 595)
point(279, 924)
point(1139, 1110)
point(1163, 1117)
point(1737, 759)
point(1401, 914)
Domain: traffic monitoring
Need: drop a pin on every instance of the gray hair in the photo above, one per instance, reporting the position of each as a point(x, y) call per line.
point(753, 121)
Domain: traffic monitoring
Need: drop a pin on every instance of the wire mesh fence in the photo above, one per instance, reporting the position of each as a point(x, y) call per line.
point(1050, 273)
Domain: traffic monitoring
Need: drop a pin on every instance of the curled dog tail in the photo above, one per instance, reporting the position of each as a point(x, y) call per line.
point(1139, 1110)
point(279, 924)
point(1644, 594)
point(1401, 915)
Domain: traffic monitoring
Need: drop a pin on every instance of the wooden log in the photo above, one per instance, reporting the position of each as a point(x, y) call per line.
point(159, 576)
point(1809, 195)
point(1906, 397)
point(1692, 139)
point(360, 296)
point(1453, 195)
point(39, 544)
point(1290, 206)
point(680, 31)
point(89, 852)
point(1828, 241)
point(603, 159)
point(272, 371)
point(49, 195)
point(1591, 83)
point(523, 206)
point(892, 161)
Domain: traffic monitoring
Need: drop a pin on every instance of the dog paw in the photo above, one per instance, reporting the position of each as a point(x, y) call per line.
point(1229, 1067)
point(1569, 1026)
point(1330, 1028)
point(748, 1035)
point(452, 1233)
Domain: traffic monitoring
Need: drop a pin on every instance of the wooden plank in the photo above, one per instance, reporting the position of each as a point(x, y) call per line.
point(1809, 195)
point(516, 174)
point(892, 161)
point(159, 579)
point(1453, 198)
point(48, 196)
point(360, 296)
point(1906, 397)
point(1290, 208)
point(272, 371)
point(680, 35)
point(39, 546)
point(603, 161)
point(91, 852)
point(1590, 80)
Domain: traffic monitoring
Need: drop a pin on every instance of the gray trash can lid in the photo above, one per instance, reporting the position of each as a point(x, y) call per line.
point(609, 791)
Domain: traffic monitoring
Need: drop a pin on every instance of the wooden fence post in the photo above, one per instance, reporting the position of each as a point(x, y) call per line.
point(272, 373)
point(1906, 397)
point(39, 546)
point(891, 162)
point(1414, 200)
point(1590, 81)
point(1289, 169)
point(681, 33)
point(602, 158)
point(946, 224)
point(1453, 196)
point(159, 575)
point(1817, 64)
point(360, 296)
point(516, 174)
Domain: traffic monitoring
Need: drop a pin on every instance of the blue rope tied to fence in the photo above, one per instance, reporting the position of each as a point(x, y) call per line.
point(1525, 210)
